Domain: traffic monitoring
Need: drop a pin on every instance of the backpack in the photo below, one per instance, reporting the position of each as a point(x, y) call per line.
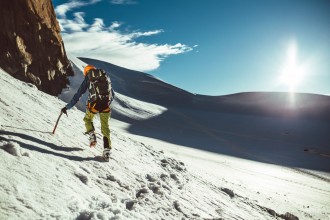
point(99, 86)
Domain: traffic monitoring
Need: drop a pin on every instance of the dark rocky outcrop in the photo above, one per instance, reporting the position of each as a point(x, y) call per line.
point(31, 47)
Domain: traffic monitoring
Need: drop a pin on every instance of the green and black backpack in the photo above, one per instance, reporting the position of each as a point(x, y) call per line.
point(99, 86)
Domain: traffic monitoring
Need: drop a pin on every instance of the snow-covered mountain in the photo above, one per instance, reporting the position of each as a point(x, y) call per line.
point(176, 156)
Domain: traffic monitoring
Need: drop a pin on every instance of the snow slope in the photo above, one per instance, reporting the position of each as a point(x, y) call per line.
point(266, 127)
point(45, 176)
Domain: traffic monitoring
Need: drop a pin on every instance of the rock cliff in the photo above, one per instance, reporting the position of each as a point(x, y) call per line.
point(31, 47)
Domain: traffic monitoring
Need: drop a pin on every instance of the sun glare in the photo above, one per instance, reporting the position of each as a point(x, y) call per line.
point(292, 73)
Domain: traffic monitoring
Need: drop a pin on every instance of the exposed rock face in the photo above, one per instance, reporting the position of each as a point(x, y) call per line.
point(31, 47)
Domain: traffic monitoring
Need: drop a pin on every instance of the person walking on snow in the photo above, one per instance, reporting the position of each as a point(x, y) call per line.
point(100, 97)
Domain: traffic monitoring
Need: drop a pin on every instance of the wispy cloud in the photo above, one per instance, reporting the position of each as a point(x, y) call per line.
point(109, 44)
point(123, 2)
point(77, 24)
point(61, 10)
point(141, 34)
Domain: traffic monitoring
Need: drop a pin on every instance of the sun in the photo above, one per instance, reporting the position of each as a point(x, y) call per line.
point(292, 73)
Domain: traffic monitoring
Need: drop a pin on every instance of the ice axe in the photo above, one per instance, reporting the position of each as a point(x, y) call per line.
point(58, 119)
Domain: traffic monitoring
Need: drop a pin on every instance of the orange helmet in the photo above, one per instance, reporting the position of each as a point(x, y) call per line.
point(87, 68)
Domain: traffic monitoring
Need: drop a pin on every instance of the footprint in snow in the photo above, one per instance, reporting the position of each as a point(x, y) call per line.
point(141, 192)
point(174, 176)
point(228, 192)
point(83, 178)
point(130, 204)
point(151, 178)
point(13, 148)
point(111, 178)
point(172, 163)
point(156, 189)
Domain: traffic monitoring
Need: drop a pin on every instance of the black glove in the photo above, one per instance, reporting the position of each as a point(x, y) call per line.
point(63, 110)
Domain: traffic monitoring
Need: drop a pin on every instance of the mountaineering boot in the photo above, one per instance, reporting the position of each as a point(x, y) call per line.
point(106, 154)
point(106, 151)
point(92, 139)
point(106, 143)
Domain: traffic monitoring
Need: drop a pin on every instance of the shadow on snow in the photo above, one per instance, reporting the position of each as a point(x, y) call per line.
point(46, 144)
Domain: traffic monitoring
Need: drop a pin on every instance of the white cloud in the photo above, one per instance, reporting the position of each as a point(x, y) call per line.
point(77, 24)
point(61, 10)
point(97, 26)
point(148, 33)
point(109, 43)
point(114, 25)
point(123, 2)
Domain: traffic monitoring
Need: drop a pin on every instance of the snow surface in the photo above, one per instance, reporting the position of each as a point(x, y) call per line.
point(45, 176)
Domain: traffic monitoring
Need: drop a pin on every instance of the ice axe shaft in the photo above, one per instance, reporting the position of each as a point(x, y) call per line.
point(58, 119)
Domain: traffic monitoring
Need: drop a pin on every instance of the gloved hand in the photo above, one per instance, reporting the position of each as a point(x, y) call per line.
point(63, 110)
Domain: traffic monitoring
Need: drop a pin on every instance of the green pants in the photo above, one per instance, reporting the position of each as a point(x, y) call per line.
point(104, 118)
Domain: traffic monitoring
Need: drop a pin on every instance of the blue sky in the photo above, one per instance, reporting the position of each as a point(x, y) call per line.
point(210, 47)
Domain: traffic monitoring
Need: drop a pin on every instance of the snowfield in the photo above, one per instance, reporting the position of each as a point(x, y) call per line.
point(46, 176)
